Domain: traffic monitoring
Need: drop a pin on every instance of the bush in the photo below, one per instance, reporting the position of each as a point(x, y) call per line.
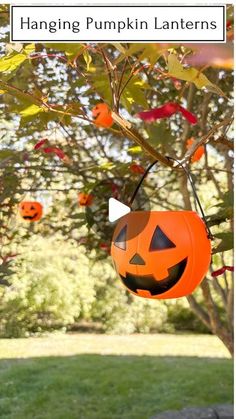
point(56, 286)
point(49, 289)
point(183, 319)
point(122, 313)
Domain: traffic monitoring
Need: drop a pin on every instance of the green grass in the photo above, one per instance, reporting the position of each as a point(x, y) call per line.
point(111, 377)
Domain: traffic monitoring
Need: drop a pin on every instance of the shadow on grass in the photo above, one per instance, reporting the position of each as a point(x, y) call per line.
point(110, 387)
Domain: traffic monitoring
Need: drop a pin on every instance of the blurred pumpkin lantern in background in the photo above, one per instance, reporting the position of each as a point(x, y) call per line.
point(198, 153)
point(102, 115)
point(31, 210)
point(85, 199)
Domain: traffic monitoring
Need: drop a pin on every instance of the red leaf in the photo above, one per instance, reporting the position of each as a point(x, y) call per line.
point(115, 191)
point(177, 83)
point(188, 115)
point(136, 168)
point(222, 270)
point(105, 247)
point(83, 240)
point(229, 268)
point(40, 143)
point(166, 111)
point(56, 151)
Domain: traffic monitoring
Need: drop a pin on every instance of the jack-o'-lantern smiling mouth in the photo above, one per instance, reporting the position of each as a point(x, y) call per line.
point(30, 217)
point(148, 283)
point(95, 117)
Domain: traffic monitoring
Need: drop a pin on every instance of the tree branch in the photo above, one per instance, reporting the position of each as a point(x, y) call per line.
point(204, 139)
point(135, 136)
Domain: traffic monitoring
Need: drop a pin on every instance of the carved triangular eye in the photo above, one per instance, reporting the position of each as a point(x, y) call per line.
point(32, 208)
point(160, 241)
point(120, 240)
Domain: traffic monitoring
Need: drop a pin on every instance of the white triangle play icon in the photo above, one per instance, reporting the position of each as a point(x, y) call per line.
point(117, 210)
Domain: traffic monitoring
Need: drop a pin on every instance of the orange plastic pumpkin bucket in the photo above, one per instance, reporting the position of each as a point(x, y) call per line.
point(161, 254)
point(30, 210)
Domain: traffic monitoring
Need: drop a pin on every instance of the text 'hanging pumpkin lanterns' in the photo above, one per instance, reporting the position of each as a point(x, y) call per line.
point(102, 116)
point(31, 210)
point(161, 254)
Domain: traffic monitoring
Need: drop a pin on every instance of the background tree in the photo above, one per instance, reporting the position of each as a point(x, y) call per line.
point(48, 92)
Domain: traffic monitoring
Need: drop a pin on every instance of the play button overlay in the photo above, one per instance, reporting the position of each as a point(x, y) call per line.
point(117, 209)
point(116, 190)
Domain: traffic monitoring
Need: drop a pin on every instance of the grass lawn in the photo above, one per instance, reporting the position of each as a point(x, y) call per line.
point(84, 376)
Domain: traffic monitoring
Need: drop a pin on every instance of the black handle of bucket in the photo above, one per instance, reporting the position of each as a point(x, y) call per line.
point(189, 176)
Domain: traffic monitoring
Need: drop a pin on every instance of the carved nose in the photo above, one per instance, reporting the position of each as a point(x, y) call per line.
point(137, 260)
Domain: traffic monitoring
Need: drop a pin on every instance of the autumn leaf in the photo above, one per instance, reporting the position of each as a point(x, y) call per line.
point(165, 111)
point(222, 270)
point(40, 143)
point(192, 75)
point(87, 59)
point(136, 168)
point(135, 150)
point(31, 110)
point(56, 151)
point(11, 62)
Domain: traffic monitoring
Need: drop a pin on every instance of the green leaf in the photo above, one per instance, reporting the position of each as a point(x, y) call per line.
point(5, 154)
point(79, 216)
point(160, 133)
point(71, 50)
point(20, 94)
point(147, 52)
point(134, 93)
point(107, 166)
point(151, 52)
point(225, 212)
point(221, 216)
point(119, 47)
point(227, 242)
point(227, 200)
point(102, 86)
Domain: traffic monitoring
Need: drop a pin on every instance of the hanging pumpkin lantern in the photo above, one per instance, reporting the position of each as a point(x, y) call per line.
point(102, 115)
point(31, 210)
point(161, 254)
point(85, 199)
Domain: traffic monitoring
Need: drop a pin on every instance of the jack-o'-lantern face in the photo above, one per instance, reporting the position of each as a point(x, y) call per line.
point(31, 210)
point(161, 254)
point(102, 115)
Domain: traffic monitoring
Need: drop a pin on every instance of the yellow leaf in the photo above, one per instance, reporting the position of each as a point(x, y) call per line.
point(107, 166)
point(29, 49)
point(135, 149)
point(87, 59)
point(192, 75)
point(31, 110)
point(11, 62)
